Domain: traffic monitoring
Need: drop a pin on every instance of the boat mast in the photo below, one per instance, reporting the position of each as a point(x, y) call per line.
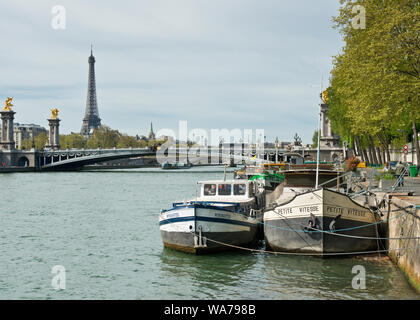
point(319, 142)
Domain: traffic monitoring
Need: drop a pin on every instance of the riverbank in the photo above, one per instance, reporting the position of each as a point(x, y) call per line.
point(17, 169)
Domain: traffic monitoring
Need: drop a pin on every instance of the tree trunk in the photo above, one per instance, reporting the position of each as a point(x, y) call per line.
point(366, 155)
point(416, 143)
point(357, 147)
point(370, 155)
point(380, 155)
point(384, 145)
point(372, 151)
point(363, 151)
point(388, 153)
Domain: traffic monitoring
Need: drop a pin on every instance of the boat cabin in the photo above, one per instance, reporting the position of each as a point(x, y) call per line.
point(228, 190)
point(305, 177)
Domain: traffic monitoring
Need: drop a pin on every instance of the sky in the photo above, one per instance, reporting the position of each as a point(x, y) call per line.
point(218, 64)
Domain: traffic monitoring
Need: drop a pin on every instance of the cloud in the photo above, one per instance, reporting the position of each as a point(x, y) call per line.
point(218, 64)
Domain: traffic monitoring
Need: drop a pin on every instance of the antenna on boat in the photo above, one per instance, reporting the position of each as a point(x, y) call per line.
point(319, 139)
point(196, 185)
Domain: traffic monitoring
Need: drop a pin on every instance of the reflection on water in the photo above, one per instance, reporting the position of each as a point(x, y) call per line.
point(102, 226)
point(208, 272)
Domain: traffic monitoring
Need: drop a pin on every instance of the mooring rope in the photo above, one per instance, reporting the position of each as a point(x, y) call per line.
point(308, 254)
point(370, 238)
point(331, 233)
point(317, 230)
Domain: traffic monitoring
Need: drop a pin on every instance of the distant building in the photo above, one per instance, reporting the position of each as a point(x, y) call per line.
point(167, 138)
point(283, 144)
point(141, 138)
point(91, 120)
point(25, 131)
point(151, 134)
point(327, 139)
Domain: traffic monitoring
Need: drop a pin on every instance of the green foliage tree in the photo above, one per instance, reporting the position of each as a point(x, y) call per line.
point(73, 140)
point(315, 139)
point(107, 138)
point(375, 82)
point(26, 144)
point(103, 137)
point(126, 141)
point(39, 142)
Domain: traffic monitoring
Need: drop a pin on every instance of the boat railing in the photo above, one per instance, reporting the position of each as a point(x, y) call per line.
point(400, 178)
point(352, 182)
point(335, 178)
point(254, 212)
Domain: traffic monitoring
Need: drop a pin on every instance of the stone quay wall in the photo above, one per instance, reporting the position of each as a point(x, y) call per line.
point(404, 222)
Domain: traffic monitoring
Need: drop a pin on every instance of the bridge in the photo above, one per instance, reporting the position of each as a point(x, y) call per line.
point(74, 159)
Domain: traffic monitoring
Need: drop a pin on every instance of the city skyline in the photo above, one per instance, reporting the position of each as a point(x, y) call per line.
point(249, 67)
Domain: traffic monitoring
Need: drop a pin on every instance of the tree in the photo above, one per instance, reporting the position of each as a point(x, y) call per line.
point(103, 137)
point(126, 141)
point(39, 141)
point(107, 138)
point(376, 79)
point(315, 139)
point(73, 140)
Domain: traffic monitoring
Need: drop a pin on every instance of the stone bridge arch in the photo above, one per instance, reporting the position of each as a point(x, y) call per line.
point(23, 162)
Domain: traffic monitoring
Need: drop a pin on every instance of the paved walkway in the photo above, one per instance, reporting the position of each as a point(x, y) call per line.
point(410, 185)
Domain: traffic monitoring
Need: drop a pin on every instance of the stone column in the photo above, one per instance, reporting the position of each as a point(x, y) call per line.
point(7, 138)
point(53, 139)
point(322, 123)
point(329, 132)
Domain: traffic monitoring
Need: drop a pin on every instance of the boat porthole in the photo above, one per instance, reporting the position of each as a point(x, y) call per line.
point(190, 227)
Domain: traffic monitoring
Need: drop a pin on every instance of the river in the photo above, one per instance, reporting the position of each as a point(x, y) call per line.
point(102, 228)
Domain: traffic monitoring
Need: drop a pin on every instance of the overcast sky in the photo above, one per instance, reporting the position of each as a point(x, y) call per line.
point(247, 64)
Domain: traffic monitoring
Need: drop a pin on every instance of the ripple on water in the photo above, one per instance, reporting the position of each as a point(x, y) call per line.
point(103, 228)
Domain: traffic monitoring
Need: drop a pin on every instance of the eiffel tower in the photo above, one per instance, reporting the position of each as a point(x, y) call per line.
point(91, 119)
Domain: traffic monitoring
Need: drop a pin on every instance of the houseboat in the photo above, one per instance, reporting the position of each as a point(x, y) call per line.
point(321, 219)
point(226, 213)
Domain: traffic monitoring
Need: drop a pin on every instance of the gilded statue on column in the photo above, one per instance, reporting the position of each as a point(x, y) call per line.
point(8, 104)
point(54, 113)
point(325, 96)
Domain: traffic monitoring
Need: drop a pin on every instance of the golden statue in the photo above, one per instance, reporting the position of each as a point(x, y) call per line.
point(325, 96)
point(8, 104)
point(54, 113)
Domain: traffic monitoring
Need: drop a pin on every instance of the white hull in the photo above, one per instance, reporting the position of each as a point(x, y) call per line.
point(309, 222)
point(195, 227)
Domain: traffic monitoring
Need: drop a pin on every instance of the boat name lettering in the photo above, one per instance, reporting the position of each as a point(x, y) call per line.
point(284, 211)
point(337, 210)
point(356, 212)
point(309, 209)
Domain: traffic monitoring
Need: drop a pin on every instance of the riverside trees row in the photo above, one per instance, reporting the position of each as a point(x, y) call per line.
point(374, 93)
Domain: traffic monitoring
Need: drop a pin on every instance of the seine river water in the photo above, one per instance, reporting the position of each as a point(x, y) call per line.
point(102, 227)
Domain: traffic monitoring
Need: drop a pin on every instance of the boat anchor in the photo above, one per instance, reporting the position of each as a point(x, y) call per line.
point(199, 240)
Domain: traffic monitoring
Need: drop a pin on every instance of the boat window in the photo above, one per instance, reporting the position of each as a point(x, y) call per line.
point(239, 189)
point(209, 189)
point(225, 189)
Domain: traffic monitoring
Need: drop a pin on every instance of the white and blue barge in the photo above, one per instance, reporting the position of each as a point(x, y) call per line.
point(226, 214)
